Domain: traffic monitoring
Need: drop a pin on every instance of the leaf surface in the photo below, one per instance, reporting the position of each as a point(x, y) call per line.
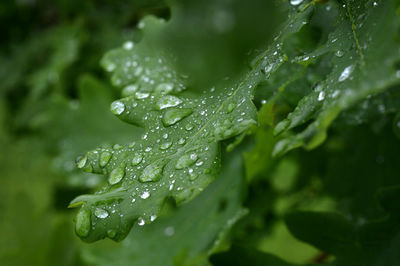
point(363, 66)
point(178, 155)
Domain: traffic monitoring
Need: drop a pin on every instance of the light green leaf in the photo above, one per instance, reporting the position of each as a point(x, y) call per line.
point(189, 237)
point(178, 155)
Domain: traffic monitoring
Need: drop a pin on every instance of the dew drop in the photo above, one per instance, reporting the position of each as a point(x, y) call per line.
point(116, 175)
point(296, 2)
point(199, 163)
point(81, 162)
point(100, 213)
point(141, 221)
point(110, 67)
point(339, 53)
point(111, 233)
point(346, 73)
point(174, 115)
point(145, 195)
point(168, 101)
point(117, 147)
point(129, 90)
point(321, 96)
point(164, 88)
point(169, 231)
point(128, 45)
point(186, 160)
point(165, 145)
point(152, 172)
point(189, 127)
point(141, 95)
point(192, 176)
point(83, 222)
point(105, 158)
point(231, 107)
point(181, 141)
point(117, 107)
point(137, 159)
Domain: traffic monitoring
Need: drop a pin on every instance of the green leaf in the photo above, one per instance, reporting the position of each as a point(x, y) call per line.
point(242, 256)
point(365, 51)
point(353, 243)
point(83, 123)
point(178, 155)
point(189, 237)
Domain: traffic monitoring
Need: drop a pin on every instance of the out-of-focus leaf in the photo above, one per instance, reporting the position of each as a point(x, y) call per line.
point(242, 256)
point(365, 243)
point(84, 124)
point(29, 222)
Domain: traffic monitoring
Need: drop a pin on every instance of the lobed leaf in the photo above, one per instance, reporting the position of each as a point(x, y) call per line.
point(178, 155)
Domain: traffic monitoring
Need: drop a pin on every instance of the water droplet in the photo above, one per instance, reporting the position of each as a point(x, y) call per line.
point(83, 222)
point(321, 96)
point(105, 158)
point(165, 145)
point(199, 163)
point(192, 175)
point(100, 213)
point(231, 107)
point(117, 107)
point(339, 53)
point(111, 233)
point(174, 115)
point(141, 95)
point(335, 93)
point(81, 162)
point(153, 218)
point(346, 73)
point(141, 221)
point(152, 172)
point(145, 195)
point(189, 127)
point(296, 2)
point(164, 88)
point(169, 231)
point(116, 175)
point(168, 101)
point(165, 136)
point(129, 90)
point(229, 129)
point(186, 160)
point(117, 146)
point(110, 67)
point(181, 141)
point(128, 45)
point(137, 159)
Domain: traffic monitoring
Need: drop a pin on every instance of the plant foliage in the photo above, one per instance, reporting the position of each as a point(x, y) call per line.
point(252, 133)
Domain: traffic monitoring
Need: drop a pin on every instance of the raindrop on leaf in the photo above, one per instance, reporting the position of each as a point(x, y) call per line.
point(174, 115)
